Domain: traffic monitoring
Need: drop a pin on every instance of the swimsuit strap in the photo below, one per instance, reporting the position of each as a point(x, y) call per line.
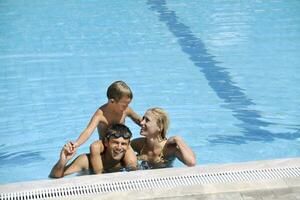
point(160, 158)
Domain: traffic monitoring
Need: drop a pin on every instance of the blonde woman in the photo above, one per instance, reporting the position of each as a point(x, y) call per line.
point(155, 150)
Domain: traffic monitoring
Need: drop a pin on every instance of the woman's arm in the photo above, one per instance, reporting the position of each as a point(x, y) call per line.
point(182, 151)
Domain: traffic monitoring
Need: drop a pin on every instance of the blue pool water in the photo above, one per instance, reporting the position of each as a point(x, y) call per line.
point(227, 72)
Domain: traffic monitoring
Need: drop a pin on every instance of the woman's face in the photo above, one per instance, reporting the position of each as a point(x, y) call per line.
point(149, 125)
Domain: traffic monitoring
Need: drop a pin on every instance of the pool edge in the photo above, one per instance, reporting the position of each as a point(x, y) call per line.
point(285, 183)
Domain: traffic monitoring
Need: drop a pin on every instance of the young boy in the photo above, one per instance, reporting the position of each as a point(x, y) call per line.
point(116, 144)
point(113, 112)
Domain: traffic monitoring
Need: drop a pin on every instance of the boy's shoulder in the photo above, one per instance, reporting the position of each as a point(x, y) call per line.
point(99, 113)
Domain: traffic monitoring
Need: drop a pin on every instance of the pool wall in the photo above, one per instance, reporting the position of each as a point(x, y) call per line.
point(269, 175)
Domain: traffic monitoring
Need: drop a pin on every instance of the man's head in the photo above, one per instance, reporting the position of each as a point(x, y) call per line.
point(117, 140)
point(120, 94)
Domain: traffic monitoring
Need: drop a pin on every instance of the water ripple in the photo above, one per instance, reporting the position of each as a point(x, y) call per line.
point(20, 158)
point(220, 81)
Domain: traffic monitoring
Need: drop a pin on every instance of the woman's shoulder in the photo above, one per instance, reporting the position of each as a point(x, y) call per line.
point(169, 148)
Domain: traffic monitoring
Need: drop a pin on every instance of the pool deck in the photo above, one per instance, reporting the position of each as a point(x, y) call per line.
point(267, 188)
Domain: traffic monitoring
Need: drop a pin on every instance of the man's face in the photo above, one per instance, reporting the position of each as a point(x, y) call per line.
point(117, 147)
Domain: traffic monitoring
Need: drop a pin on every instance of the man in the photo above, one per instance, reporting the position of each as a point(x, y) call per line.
point(115, 111)
point(116, 143)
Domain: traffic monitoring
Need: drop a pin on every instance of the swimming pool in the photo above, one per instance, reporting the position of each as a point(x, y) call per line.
point(226, 72)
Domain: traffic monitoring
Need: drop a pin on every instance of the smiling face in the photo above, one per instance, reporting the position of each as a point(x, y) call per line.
point(149, 126)
point(117, 147)
point(155, 123)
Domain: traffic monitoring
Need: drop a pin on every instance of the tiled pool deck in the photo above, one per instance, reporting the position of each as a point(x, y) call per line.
point(264, 180)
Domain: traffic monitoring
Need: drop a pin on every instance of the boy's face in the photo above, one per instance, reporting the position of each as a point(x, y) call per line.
point(117, 147)
point(122, 104)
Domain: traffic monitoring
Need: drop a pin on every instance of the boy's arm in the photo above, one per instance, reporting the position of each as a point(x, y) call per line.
point(130, 159)
point(135, 117)
point(183, 152)
point(89, 129)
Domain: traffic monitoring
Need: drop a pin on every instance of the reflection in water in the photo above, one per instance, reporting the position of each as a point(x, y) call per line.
point(220, 81)
point(20, 158)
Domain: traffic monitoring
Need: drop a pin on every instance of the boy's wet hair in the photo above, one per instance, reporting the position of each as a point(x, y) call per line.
point(117, 90)
point(118, 130)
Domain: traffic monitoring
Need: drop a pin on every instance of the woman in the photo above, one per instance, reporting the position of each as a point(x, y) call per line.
point(155, 150)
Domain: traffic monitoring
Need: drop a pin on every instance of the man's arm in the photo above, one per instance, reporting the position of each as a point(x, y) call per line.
point(60, 169)
point(65, 155)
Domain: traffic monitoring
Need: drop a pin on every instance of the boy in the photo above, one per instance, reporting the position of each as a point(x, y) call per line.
point(116, 144)
point(113, 112)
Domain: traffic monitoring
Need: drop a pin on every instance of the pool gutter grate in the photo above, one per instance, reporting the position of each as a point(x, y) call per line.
point(152, 183)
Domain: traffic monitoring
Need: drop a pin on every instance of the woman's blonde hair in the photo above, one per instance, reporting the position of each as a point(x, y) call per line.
point(162, 120)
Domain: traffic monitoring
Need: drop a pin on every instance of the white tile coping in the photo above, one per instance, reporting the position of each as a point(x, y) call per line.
point(184, 189)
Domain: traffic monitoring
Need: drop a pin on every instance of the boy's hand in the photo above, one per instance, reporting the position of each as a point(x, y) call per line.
point(73, 147)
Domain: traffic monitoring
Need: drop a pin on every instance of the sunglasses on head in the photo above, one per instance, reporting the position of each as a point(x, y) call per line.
point(125, 135)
